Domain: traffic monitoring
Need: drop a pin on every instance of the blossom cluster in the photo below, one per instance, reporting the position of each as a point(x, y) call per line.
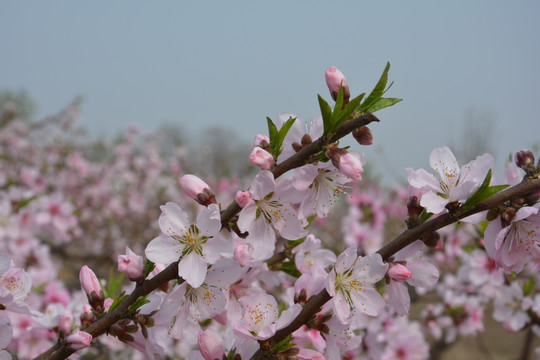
point(238, 282)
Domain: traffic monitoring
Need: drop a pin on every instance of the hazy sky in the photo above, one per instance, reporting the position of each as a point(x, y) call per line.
point(456, 64)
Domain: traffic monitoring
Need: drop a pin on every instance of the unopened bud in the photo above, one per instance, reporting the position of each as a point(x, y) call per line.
point(131, 264)
point(492, 214)
point(334, 80)
point(363, 135)
point(79, 340)
point(525, 160)
point(306, 140)
point(65, 323)
point(399, 272)
point(261, 158)
point(296, 146)
point(243, 198)
point(261, 141)
point(431, 239)
point(197, 189)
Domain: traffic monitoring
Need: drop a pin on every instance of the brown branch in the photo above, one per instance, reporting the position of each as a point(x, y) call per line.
point(406, 238)
point(102, 325)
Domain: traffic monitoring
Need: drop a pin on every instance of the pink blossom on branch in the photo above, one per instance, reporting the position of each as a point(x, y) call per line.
point(334, 80)
point(352, 284)
point(131, 264)
point(79, 340)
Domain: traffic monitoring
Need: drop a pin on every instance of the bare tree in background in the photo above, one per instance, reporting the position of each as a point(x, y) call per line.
point(477, 135)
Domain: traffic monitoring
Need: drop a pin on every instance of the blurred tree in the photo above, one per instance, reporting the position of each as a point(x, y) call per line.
point(15, 104)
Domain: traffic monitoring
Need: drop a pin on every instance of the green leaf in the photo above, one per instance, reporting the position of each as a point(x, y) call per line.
point(273, 134)
point(326, 113)
point(383, 103)
point(139, 302)
point(339, 104)
point(148, 267)
point(349, 109)
point(484, 191)
point(118, 300)
point(290, 268)
point(377, 91)
point(114, 284)
point(424, 216)
point(283, 345)
point(277, 136)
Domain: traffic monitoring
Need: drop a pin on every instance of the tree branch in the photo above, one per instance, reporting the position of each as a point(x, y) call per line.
point(406, 238)
point(102, 324)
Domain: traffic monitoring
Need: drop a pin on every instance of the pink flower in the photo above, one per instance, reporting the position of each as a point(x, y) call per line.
point(210, 344)
point(517, 244)
point(243, 198)
point(79, 340)
point(453, 184)
point(131, 264)
point(196, 245)
point(89, 280)
point(335, 79)
point(261, 158)
point(352, 284)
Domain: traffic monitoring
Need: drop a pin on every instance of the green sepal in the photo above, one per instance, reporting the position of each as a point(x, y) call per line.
point(484, 191)
point(114, 285)
point(139, 302)
point(277, 136)
point(294, 243)
point(382, 103)
point(326, 113)
point(289, 267)
point(377, 91)
point(118, 300)
point(283, 345)
point(148, 267)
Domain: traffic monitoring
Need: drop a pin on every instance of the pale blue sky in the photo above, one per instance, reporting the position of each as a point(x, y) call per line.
point(207, 63)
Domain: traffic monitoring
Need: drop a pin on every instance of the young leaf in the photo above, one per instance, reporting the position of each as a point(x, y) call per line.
point(148, 267)
point(383, 103)
point(277, 136)
point(377, 91)
point(117, 300)
point(326, 113)
point(484, 191)
point(114, 284)
point(283, 345)
point(290, 268)
point(349, 109)
point(339, 104)
point(139, 302)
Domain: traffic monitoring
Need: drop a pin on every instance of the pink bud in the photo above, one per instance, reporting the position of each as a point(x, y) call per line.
point(261, 158)
point(335, 79)
point(79, 340)
point(351, 166)
point(89, 280)
point(65, 322)
point(131, 264)
point(261, 141)
point(192, 185)
point(210, 345)
point(107, 303)
point(197, 189)
point(243, 198)
point(399, 272)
